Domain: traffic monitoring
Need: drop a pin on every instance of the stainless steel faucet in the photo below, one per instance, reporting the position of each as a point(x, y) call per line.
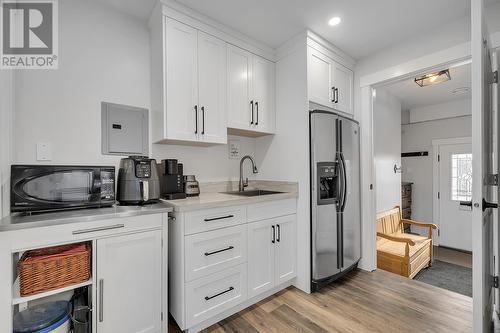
point(243, 184)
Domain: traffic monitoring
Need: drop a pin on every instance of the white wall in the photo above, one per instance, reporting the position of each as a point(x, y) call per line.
point(104, 56)
point(457, 108)
point(418, 170)
point(286, 155)
point(6, 106)
point(387, 150)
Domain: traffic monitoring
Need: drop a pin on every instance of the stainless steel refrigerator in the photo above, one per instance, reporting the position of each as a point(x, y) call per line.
point(335, 196)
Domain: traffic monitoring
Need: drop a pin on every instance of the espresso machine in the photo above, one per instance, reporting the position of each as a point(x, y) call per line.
point(171, 179)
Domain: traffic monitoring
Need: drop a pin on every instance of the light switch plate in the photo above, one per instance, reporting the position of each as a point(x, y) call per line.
point(234, 148)
point(43, 151)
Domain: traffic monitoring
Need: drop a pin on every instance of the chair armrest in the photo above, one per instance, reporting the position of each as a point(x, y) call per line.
point(420, 224)
point(396, 239)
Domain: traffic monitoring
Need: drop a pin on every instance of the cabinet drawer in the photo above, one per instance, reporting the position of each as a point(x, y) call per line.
point(211, 295)
point(215, 218)
point(212, 251)
point(118, 225)
point(270, 209)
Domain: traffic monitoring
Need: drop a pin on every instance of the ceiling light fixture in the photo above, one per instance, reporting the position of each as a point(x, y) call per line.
point(334, 21)
point(433, 78)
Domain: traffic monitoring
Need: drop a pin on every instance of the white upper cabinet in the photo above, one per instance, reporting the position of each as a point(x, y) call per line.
point(181, 78)
point(329, 83)
point(194, 90)
point(251, 92)
point(343, 85)
point(263, 94)
point(239, 72)
point(212, 88)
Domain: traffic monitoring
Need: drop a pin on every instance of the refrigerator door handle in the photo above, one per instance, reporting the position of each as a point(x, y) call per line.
point(344, 183)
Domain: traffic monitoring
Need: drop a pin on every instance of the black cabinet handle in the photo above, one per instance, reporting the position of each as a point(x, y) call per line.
point(196, 119)
point(251, 103)
point(336, 95)
point(218, 218)
point(219, 251)
point(333, 94)
point(257, 109)
point(203, 122)
point(466, 203)
point(279, 233)
point(207, 298)
point(273, 239)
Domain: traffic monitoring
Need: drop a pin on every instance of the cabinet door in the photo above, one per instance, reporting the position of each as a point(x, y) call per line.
point(181, 79)
point(319, 78)
point(261, 241)
point(263, 94)
point(129, 283)
point(239, 72)
point(212, 69)
point(286, 249)
point(343, 82)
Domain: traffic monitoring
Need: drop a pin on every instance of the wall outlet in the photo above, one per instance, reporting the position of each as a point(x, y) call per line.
point(43, 151)
point(234, 149)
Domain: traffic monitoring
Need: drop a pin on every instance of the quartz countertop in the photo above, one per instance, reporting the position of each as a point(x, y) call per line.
point(211, 195)
point(17, 222)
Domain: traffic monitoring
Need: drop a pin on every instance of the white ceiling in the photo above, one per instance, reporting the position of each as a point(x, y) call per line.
point(368, 26)
point(412, 96)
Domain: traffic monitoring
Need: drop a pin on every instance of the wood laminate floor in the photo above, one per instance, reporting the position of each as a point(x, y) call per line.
point(362, 302)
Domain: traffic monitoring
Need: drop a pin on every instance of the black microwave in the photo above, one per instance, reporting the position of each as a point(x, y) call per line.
point(38, 188)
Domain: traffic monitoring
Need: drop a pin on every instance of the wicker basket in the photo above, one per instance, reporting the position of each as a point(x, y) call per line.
point(47, 270)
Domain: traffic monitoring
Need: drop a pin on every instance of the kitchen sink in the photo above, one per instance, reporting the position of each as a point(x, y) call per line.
point(252, 193)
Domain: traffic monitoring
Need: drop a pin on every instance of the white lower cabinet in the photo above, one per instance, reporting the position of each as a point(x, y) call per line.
point(271, 253)
point(129, 283)
point(261, 251)
point(215, 293)
point(223, 259)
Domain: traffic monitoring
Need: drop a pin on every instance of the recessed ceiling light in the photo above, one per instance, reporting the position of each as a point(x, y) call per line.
point(334, 21)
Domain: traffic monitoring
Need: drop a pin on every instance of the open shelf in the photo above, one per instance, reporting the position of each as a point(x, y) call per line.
point(18, 299)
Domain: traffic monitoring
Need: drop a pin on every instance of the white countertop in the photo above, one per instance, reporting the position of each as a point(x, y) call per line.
point(212, 199)
point(17, 222)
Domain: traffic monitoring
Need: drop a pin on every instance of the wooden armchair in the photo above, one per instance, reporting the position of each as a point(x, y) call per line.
point(399, 252)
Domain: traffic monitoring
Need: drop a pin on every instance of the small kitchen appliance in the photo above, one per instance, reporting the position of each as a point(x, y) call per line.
point(138, 181)
point(171, 179)
point(38, 188)
point(191, 186)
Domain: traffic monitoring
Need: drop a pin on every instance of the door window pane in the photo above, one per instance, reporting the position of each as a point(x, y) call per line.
point(461, 177)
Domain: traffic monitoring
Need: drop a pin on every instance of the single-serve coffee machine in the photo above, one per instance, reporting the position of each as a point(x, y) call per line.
point(171, 179)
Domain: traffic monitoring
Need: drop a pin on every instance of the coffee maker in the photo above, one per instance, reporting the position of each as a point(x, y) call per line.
point(171, 179)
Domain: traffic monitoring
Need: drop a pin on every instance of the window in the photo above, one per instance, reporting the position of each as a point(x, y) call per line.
point(461, 177)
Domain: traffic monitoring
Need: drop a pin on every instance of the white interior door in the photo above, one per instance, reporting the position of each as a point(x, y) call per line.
point(129, 284)
point(482, 217)
point(455, 185)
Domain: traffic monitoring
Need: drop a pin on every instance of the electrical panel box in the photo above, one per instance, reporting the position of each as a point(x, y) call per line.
point(125, 130)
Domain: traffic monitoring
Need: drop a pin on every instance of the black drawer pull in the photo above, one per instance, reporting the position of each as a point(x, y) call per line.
point(207, 298)
point(218, 218)
point(219, 251)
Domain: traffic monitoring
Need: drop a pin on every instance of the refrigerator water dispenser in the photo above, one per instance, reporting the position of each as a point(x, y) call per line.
point(327, 182)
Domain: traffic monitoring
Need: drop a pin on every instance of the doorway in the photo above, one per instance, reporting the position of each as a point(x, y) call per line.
point(423, 165)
